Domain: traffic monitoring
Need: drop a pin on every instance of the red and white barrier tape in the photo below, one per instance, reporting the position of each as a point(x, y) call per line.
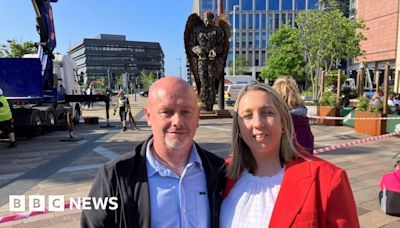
point(352, 118)
point(356, 142)
point(25, 215)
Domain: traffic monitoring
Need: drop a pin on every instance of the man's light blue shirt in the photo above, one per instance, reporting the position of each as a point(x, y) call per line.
point(178, 201)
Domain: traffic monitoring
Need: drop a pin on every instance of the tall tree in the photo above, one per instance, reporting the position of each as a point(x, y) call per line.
point(13, 49)
point(326, 37)
point(284, 58)
point(241, 65)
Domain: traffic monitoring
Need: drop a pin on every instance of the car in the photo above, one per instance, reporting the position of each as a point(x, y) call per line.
point(231, 92)
point(144, 93)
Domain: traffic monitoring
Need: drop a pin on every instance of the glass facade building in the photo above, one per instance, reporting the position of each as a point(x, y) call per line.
point(255, 21)
point(113, 54)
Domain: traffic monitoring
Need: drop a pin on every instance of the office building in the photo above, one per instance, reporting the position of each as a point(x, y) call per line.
point(107, 55)
point(255, 21)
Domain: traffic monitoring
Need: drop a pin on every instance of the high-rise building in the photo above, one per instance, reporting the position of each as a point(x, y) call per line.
point(107, 55)
point(253, 22)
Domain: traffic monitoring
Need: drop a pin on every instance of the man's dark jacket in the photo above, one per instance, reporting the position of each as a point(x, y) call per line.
point(126, 179)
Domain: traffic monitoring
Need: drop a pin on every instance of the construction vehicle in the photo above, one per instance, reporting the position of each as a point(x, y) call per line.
point(42, 88)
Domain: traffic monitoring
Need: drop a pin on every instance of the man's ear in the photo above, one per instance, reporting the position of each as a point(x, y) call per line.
point(147, 115)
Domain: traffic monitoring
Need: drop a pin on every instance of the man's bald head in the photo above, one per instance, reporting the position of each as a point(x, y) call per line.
point(170, 87)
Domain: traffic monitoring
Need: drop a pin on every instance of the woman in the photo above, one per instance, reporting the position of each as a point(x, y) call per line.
point(123, 108)
point(287, 87)
point(272, 180)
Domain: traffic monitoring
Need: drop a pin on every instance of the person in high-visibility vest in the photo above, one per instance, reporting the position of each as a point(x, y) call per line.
point(123, 108)
point(6, 121)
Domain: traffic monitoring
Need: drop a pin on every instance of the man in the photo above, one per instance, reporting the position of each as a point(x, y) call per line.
point(6, 124)
point(122, 107)
point(168, 180)
point(389, 196)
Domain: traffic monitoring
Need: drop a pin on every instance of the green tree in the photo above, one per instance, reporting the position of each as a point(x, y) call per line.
point(241, 66)
point(326, 37)
point(284, 58)
point(147, 79)
point(13, 49)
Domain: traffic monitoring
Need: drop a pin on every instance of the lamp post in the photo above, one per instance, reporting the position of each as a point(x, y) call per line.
point(180, 67)
point(234, 39)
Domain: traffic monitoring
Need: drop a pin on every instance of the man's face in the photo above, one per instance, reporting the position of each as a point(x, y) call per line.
point(173, 117)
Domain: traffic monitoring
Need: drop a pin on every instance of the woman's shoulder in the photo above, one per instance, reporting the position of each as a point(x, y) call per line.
point(316, 165)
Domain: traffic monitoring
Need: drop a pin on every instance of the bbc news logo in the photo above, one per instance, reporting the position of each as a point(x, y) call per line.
point(57, 203)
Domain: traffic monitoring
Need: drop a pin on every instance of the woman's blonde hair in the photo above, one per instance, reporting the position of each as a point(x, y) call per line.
point(242, 156)
point(287, 87)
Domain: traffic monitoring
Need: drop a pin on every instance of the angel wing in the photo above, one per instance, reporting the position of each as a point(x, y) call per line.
point(192, 22)
point(223, 22)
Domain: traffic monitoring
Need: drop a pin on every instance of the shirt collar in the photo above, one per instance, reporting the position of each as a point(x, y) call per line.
point(155, 166)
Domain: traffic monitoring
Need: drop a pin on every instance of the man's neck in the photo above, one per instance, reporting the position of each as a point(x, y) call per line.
point(174, 160)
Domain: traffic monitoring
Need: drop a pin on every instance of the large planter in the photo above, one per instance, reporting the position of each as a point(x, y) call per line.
point(328, 111)
point(370, 127)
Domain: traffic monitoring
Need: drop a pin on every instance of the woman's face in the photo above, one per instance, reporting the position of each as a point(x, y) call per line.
point(260, 123)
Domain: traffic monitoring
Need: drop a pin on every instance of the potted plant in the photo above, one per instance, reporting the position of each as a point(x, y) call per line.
point(366, 110)
point(328, 106)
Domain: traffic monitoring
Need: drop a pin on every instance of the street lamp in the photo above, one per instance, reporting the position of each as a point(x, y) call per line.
point(234, 38)
point(180, 67)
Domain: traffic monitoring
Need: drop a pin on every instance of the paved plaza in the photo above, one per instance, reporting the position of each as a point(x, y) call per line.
point(46, 166)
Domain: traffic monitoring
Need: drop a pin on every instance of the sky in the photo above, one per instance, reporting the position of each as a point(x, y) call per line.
point(160, 21)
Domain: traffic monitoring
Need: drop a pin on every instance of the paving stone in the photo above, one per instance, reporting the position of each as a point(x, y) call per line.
point(375, 219)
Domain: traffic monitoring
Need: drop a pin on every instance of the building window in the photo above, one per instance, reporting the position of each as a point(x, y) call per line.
point(237, 20)
point(286, 4)
point(243, 40)
point(313, 4)
point(300, 5)
point(257, 20)
point(250, 40)
point(247, 4)
point(263, 21)
point(251, 21)
point(243, 21)
point(273, 4)
point(269, 21)
point(276, 22)
point(257, 43)
point(206, 4)
point(250, 58)
point(283, 20)
point(260, 5)
point(263, 58)
point(263, 40)
point(257, 58)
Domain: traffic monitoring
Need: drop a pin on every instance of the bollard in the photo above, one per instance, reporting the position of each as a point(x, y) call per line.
point(108, 125)
point(70, 127)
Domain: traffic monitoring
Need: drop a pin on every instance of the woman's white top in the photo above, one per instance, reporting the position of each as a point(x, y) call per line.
point(251, 201)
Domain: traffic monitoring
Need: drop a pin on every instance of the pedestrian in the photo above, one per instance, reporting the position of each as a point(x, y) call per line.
point(6, 120)
point(168, 180)
point(123, 108)
point(287, 87)
point(274, 182)
point(376, 102)
point(389, 196)
point(107, 102)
